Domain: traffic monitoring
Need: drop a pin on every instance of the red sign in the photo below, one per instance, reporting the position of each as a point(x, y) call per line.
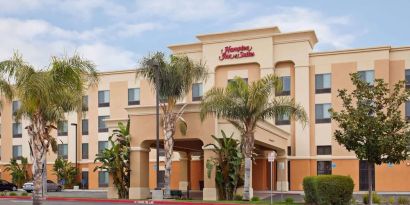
point(230, 52)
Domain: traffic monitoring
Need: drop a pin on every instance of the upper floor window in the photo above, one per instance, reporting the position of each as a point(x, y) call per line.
point(322, 114)
point(282, 120)
point(289, 151)
point(285, 86)
point(62, 151)
point(17, 131)
point(102, 145)
point(133, 96)
point(244, 79)
point(324, 167)
point(84, 151)
point(367, 76)
point(103, 98)
point(324, 150)
point(16, 106)
point(407, 78)
point(62, 128)
point(323, 83)
point(102, 127)
point(407, 110)
point(197, 92)
point(84, 127)
point(85, 103)
point(17, 151)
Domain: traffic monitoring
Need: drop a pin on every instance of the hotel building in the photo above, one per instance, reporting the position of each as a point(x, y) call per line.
point(311, 78)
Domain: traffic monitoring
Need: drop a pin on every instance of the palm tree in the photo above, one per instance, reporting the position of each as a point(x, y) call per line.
point(19, 173)
point(45, 95)
point(244, 105)
point(228, 163)
point(116, 159)
point(65, 171)
point(176, 77)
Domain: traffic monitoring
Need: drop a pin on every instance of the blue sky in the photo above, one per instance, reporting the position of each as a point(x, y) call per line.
point(115, 34)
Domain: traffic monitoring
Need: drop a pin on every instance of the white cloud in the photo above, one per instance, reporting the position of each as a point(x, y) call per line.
point(129, 30)
point(297, 19)
point(37, 40)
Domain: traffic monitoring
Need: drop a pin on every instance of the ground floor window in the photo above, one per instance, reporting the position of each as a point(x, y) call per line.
point(103, 179)
point(363, 179)
point(324, 167)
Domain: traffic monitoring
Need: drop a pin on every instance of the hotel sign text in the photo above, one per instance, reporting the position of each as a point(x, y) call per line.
point(230, 52)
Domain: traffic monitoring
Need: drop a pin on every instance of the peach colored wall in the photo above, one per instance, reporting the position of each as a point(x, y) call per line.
point(348, 167)
point(393, 178)
point(197, 173)
point(221, 74)
point(299, 169)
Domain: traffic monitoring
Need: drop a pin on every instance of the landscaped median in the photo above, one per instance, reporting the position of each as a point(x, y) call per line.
point(165, 202)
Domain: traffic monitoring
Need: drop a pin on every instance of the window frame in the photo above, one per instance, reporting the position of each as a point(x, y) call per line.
point(64, 132)
point(365, 72)
point(17, 135)
point(324, 150)
point(103, 104)
point(84, 132)
point(285, 92)
point(21, 152)
point(100, 150)
point(323, 90)
point(84, 155)
point(322, 120)
point(99, 177)
point(85, 103)
point(105, 128)
point(64, 147)
point(279, 121)
point(200, 92)
point(324, 171)
point(134, 102)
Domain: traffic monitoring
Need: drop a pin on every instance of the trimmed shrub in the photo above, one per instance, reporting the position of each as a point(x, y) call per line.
point(13, 194)
point(376, 198)
point(237, 197)
point(255, 198)
point(328, 189)
point(24, 194)
point(391, 200)
point(289, 200)
point(403, 200)
point(309, 187)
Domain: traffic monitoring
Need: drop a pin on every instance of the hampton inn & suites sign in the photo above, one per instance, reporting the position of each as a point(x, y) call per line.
point(234, 52)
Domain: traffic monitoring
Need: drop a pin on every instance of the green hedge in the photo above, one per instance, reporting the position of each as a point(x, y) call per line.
point(328, 189)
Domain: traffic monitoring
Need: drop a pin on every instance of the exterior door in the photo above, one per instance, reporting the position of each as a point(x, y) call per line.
point(84, 179)
point(363, 180)
point(161, 178)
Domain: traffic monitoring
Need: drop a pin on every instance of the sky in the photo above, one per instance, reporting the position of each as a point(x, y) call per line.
point(116, 34)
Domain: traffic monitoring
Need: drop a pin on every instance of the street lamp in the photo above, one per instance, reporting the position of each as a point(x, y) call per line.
point(76, 164)
point(155, 64)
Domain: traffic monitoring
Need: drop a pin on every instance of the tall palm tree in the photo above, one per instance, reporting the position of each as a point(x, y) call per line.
point(176, 77)
point(244, 105)
point(45, 95)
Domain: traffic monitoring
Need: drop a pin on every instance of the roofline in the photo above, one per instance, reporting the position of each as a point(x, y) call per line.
point(239, 31)
point(123, 71)
point(346, 51)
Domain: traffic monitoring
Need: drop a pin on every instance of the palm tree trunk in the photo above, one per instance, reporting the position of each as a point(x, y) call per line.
point(169, 130)
point(248, 150)
point(38, 171)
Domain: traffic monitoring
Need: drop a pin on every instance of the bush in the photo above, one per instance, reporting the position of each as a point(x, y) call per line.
point(24, 194)
point(237, 197)
point(376, 198)
point(289, 200)
point(391, 200)
point(403, 200)
point(3, 193)
point(13, 194)
point(309, 187)
point(328, 189)
point(255, 198)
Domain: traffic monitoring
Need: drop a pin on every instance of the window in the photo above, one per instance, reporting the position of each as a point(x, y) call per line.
point(161, 152)
point(17, 151)
point(133, 96)
point(323, 83)
point(367, 76)
point(324, 150)
point(17, 130)
point(102, 127)
point(322, 114)
point(84, 127)
point(102, 145)
point(84, 151)
point(363, 176)
point(104, 98)
point(244, 79)
point(16, 105)
point(62, 151)
point(285, 86)
point(324, 167)
point(282, 120)
point(103, 179)
point(407, 110)
point(85, 103)
point(62, 128)
point(197, 92)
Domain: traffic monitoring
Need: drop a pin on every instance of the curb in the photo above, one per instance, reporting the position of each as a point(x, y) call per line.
point(116, 200)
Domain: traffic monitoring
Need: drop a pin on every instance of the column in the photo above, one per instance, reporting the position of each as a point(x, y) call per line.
point(112, 192)
point(139, 184)
point(183, 171)
point(209, 191)
point(282, 178)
